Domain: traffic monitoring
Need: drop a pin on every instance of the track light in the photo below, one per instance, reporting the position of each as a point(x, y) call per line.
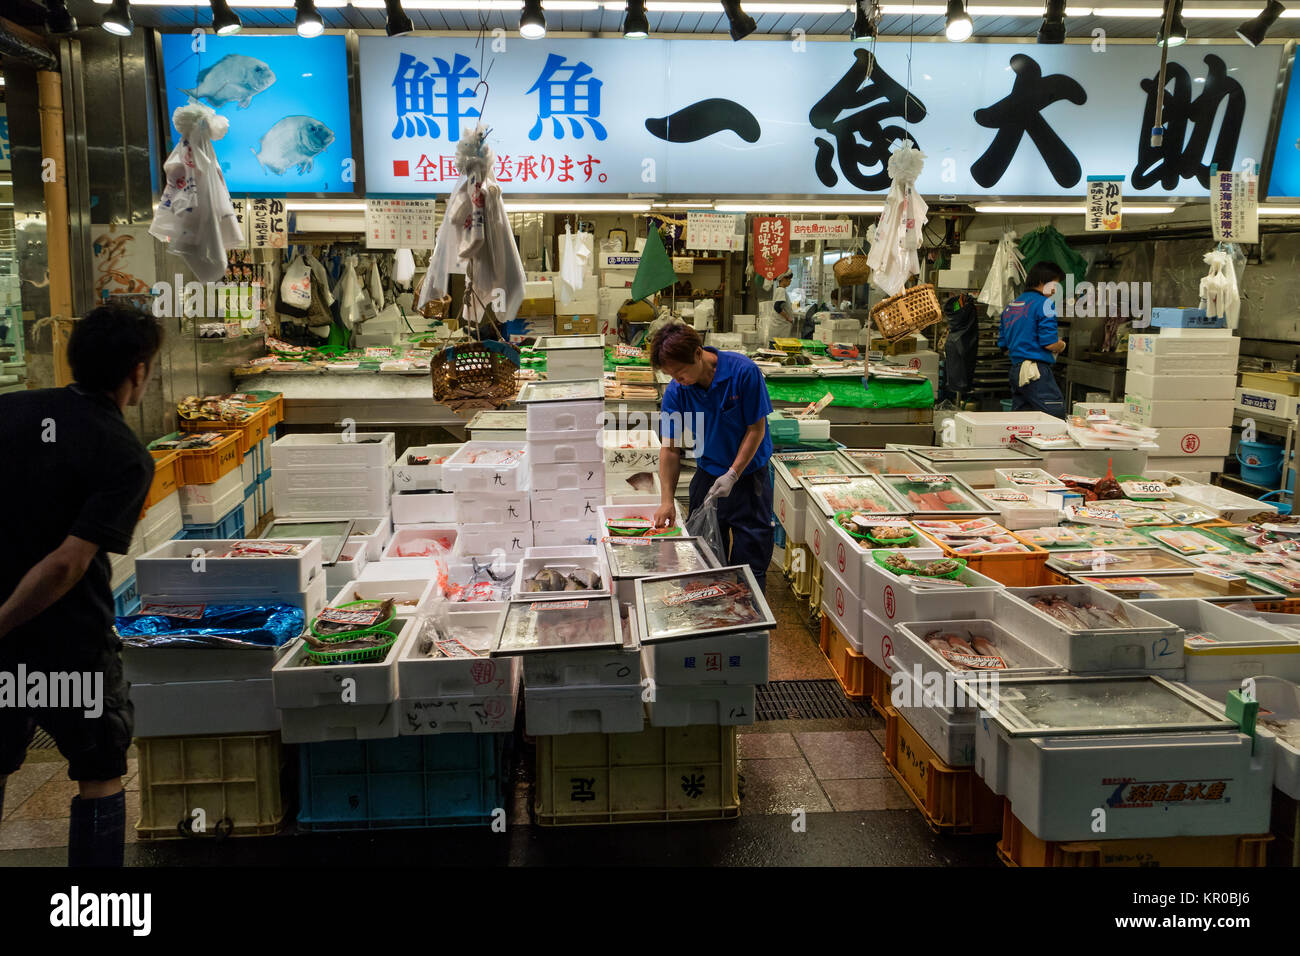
point(308, 21)
point(532, 22)
point(224, 20)
point(635, 24)
point(1053, 27)
point(58, 20)
point(1252, 31)
point(399, 24)
point(958, 26)
point(864, 22)
point(117, 20)
point(742, 24)
point(1177, 28)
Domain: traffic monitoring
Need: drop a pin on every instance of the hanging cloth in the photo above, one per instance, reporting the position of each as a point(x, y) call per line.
point(403, 268)
point(195, 216)
point(1005, 277)
point(1046, 244)
point(1219, 295)
point(375, 287)
point(893, 257)
point(575, 260)
point(962, 350)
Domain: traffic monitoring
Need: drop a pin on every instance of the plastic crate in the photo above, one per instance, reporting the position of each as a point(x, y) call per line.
point(201, 466)
point(661, 774)
point(234, 779)
point(443, 780)
point(815, 587)
point(166, 476)
point(1285, 849)
point(274, 404)
point(1019, 847)
point(1015, 569)
point(879, 683)
point(126, 598)
point(229, 527)
point(249, 432)
point(1283, 606)
point(801, 582)
point(852, 669)
point(951, 800)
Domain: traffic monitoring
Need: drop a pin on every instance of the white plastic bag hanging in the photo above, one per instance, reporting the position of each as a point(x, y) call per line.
point(376, 285)
point(1219, 295)
point(349, 293)
point(893, 257)
point(403, 268)
point(575, 255)
point(295, 286)
point(1005, 275)
point(195, 216)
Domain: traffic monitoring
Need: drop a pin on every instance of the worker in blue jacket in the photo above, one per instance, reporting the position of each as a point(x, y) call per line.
point(1032, 339)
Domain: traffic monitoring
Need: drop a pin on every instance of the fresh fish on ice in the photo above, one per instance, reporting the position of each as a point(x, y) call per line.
point(294, 141)
point(235, 78)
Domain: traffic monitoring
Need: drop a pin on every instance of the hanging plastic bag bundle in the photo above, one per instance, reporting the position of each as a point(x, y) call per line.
point(1219, 295)
point(893, 257)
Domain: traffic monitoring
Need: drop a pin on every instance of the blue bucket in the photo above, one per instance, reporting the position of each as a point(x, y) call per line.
point(1275, 498)
point(1261, 463)
point(1006, 404)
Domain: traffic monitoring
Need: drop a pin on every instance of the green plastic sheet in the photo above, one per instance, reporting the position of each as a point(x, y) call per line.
point(1046, 244)
point(850, 393)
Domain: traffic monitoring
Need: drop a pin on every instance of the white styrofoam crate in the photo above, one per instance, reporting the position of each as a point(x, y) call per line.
point(1163, 413)
point(1230, 505)
point(1150, 644)
point(250, 514)
point(1002, 478)
point(374, 533)
point(896, 599)
point(408, 477)
point(209, 503)
point(1199, 469)
point(913, 654)
point(589, 670)
point(359, 449)
point(817, 531)
point(513, 539)
point(848, 556)
point(1181, 388)
point(1019, 510)
point(248, 470)
point(562, 416)
point(791, 509)
point(298, 686)
point(472, 507)
point(323, 503)
point(722, 705)
point(170, 568)
point(999, 428)
point(570, 476)
point(842, 606)
point(310, 725)
point(411, 596)
point(311, 600)
point(567, 532)
point(352, 560)
point(579, 710)
point(561, 559)
point(1271, 404)
point(459, 473)
point(460, 715)
point(608, 513)
point(1279, 696)
point(1151, 363)
point(422, 542)
point(424, 507)
point(553, 448)
point(1239, 647)
point(189, 664)
point(725, 659)
point(1160, 345)
point(619, 484)
point(265, 496)
point(878, 640)
point(162, 522)
point(396, 569)
point(950, 733)
point(196, 708)
point(575, 505)
point(635, 449)
point(420, 677)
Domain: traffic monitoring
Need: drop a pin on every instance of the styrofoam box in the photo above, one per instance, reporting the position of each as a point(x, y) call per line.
point(373, 532)
point(352, 560)
point(817, 530)
point(1242, 647)
point(998, 428)
point(424, 507)
point(974, 260)
point(878, 640)
point(308, 686)
point(122, 566)
point(724, 659)
point(619, 485)
point(169, 568)
point(570, 476)
point(294, 451)
point(1150, 644)
point(572, 365)
point(791, 507)
point(411, 596)
point(1271, 404)
point(559, 416)
point(914, 656)
point(1113, 409)
point(590, 670)
point(607, 513)
point(553, 448)
point(1192, 442)
point(567, 532)
point(192, 664)
point(847, 556)
point(1275, 694)
point(1199, 469)
point(209, 503)
point(310, 725)
point(458, 474)
point(570, 710)
point(1177, 388)
point(721, 705)
point(1162, 413)
point(248, 470)
point(418, 537)
point(400, 569)
point(643, 454)
point(530, 566)
point(1216, 342)
point(162, 522)
point(421, 477)
point(1230, 505)
point(1015, 515)
point(843, 606)
point(514, 507)
point(250, 514)
point(460, 715)
point(420, 677)
point(513, 539)
point(310, 600)
point(1149, 363)
point(371, 495)
point(949, 732)
point(894, 597)
point(566, 505)
point(195, 708)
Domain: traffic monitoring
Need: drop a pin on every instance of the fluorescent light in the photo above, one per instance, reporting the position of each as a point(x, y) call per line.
point(1279, 210)
point(1064, 210)
point(6, 182)
point(325, 207)
point(799, 207)
point(696, 204)
point(561, 205)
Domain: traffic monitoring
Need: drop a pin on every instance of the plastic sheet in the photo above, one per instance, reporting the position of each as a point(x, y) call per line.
point(222, 625)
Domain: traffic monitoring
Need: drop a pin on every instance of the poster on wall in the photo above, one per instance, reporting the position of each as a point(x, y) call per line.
point(771, 246)
point(570, 116)
point(400, 223)
point(1234, 208)
point(286, 98)
point(714, 231)
point(268, 224)
point(1105, 209)
point(1284, 171)
point(123, 261)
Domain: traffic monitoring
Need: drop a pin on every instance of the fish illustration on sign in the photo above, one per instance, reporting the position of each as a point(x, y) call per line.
point(234, 78)
point(293, 141)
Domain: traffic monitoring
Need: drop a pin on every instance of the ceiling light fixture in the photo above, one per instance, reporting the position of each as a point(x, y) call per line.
point(1253, 31)
point(958, 26)
point(861, 208)
point(635, 24)
point(864, 21)
point(1053, 26)
point(225, 22)
point(58, 20)
point(1177, 28)
point(117, 20)
point(742, 24)
point(532, 22)
point(399, 24)
point(566, 206)
point(1047, 209)
point(308, 21)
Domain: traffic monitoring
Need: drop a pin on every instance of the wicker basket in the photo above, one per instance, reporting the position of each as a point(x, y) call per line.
point(436, 308)
point(473, 375)
point(910, 311)
point(852, 270)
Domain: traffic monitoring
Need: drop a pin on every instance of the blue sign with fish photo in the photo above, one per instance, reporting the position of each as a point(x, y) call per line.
point(286, 98)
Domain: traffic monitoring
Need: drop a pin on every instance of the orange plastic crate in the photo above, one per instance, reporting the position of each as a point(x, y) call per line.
point(166, 476)
point(880, 685)
point(250, 432)
point(1285, 850)
point(851, 668)
point(201, 466)
point(1280, 606)
point(952, 799)
point(274, 405)
point(1015, 569)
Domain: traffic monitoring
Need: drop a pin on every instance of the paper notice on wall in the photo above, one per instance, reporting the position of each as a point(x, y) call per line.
point(821, 229)
point(268, 224)
point(715, 231)
point(241, 214)
point(400, 223)
point(1234, 207)
point(1105, 204)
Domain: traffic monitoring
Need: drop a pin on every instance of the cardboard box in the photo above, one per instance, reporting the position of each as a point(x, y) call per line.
point(1279, 382)
point(575, 325)
point(902, 347)
point(617, 278)
point(1161, 414)
point(1268, 404)
point(536, 308)
point(1192, 441)
point(1216, 342)
point(1206, 388)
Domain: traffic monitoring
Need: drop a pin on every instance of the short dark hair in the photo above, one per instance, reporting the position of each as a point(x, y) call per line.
point(1041, 273)
point(675, 342)
point(109, 342)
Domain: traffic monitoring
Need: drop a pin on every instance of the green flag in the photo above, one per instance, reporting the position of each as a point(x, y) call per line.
point(655, 271)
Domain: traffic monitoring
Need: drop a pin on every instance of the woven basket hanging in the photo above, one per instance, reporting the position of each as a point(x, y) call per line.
point(473, 373)
point(852, 270)
point(910, 311)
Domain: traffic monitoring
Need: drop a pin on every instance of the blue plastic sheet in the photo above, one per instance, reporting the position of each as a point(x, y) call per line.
point(220, 625)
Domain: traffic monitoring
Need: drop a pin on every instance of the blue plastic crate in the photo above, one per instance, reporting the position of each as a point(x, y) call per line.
point(264, 476)
point(231, 526)
point(126, 599)
point(778, 539)
point(436, 780)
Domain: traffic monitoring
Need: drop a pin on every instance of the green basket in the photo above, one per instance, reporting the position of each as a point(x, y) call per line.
point(336, 637)
point(961, 566)
point(358, 655)
point(892, 543)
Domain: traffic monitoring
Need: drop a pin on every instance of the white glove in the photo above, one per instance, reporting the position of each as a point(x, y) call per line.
point(722, 487)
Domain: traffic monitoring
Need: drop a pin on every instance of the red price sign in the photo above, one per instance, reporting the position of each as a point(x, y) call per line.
point(771, 246)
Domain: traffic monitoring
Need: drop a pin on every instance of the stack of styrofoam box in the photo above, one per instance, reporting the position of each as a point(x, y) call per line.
point(450, 695)
point(627, 453)
point(567, 458)
point(705, 680)
point(492, 508)
point(1181, 382)
point(418, 495)
point(226, 690)
point(211, 503)
point(969, 268)
point(831, 327)
point(978, 429)
point(333, 475)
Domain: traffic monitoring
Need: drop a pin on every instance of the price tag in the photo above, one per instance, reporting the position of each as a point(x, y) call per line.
point(191, 612)
point(928, 479)
point(356, 616)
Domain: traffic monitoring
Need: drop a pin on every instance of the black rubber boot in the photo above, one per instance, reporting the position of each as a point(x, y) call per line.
point(97, 831)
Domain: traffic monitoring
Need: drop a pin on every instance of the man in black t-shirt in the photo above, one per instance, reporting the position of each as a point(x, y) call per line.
point(74, 477)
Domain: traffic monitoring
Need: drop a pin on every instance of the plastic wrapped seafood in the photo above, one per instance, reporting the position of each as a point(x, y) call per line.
point(1080, 617)
point(969, 653)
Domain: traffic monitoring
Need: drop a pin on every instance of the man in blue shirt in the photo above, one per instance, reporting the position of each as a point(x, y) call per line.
point(1031, 337)
point(718, 402)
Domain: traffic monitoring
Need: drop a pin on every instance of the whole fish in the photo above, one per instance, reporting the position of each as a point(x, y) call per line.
point(234, 78)
point(293, 141)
